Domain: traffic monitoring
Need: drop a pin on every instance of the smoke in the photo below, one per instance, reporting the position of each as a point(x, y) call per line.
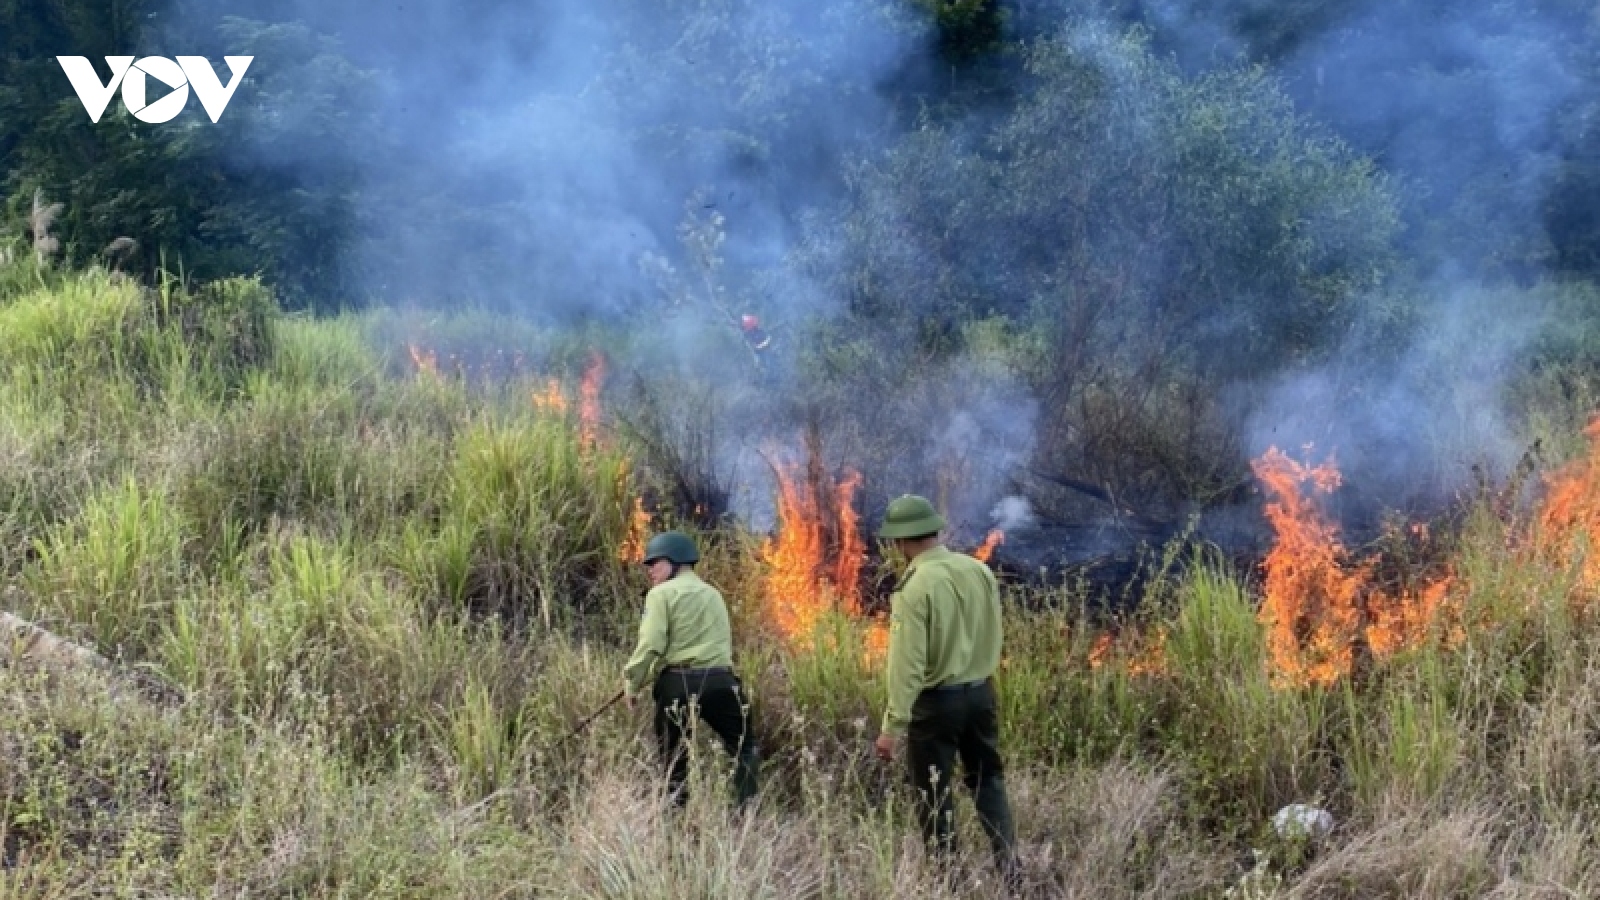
point(1462, 101)
point(977, 447)
point(1462, 104)
point(527, 156)
point(669, 167)
point(956, 436)
point(645, 165)
point(1409, 431)
point(1012, 514)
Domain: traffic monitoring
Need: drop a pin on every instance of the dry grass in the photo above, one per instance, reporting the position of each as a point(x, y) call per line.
point(386, 598)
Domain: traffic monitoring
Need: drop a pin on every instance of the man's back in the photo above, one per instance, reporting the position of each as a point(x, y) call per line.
point(944, 646)
point(959, 599)
point(700, 632)
point(685, 624)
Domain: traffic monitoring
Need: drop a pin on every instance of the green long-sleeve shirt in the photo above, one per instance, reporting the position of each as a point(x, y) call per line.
point(685, 624)
point(944, 629)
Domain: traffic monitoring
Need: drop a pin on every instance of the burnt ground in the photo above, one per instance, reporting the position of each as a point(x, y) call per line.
point(1112, 561)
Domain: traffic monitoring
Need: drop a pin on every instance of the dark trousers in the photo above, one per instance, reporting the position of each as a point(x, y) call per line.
point(961, 723)
point(718, 701)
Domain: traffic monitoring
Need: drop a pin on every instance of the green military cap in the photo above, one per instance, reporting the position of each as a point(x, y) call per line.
point(675, 546)
point(911, 516)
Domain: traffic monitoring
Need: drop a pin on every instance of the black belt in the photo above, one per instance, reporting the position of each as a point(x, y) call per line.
point(696, 673)
point(964, 686)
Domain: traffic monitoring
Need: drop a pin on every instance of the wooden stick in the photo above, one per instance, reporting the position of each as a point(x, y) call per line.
point(585, 723)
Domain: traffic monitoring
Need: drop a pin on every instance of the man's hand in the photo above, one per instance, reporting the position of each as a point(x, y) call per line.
point(887, 746)
point(627, 695)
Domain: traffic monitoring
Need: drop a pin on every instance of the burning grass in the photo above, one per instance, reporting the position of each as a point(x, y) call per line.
point(815, 558)
point(348, 722)
point(1568, 522)
point(551, 398)
point(594, 376)
point(985, 551)
point(1319, 605)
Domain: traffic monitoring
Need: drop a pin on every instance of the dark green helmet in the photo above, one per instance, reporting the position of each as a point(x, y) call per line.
point(675, 546)
point(911, 516)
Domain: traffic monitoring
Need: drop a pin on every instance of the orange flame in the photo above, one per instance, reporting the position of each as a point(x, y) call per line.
point(1100, 651)
point(852, 551)
point(426, 361)
point(994, 539)
point(1568, 522)
point(1151, 659)
point(1400, 624)
point(632, 550)
point(797, 591)
point(1311, 608)
point(1139, 656)
point(589, 399)
point(1318, 604)
point(794, 555)
point(552, 399)
point(875, 643)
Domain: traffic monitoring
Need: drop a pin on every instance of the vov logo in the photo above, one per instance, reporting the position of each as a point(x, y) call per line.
point(131, 76)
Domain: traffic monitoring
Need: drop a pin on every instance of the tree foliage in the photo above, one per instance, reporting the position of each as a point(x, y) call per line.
point(1116, 196)
point(240, 196)
point(1127, 241)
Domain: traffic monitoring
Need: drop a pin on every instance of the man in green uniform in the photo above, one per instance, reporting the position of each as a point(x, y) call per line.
point(686, 646)
point(944, 645)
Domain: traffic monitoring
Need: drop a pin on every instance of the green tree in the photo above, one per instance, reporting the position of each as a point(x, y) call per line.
point(1163, 237)
point(1121, 191)
point(245, 195)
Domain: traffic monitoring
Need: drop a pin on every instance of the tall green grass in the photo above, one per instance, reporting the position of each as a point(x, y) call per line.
point(115, 570)
point(531, 523)
point(387, 598)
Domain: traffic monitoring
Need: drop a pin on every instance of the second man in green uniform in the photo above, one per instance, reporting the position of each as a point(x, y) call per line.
point(944, 647)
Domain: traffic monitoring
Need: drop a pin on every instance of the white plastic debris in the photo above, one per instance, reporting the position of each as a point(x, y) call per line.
point(1301, 819)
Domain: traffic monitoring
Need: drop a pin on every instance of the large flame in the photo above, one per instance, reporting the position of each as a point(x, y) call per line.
point(1312, 605)
point(1568, 522)
point(852, 551)
point(801, 585)
point(1318, 604)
